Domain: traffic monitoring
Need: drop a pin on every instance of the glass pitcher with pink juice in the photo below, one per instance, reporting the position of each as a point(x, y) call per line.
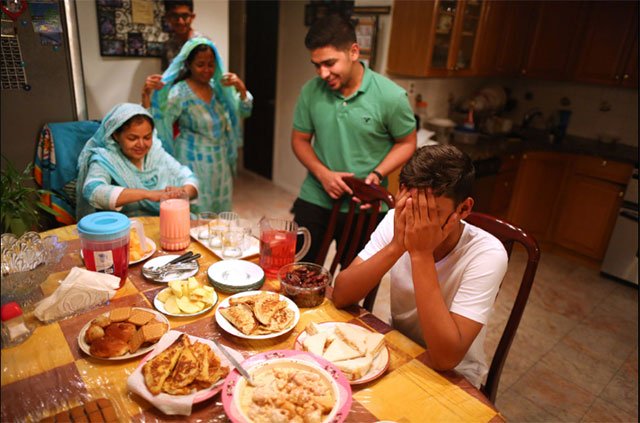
point(175, 221)
point(278, 244)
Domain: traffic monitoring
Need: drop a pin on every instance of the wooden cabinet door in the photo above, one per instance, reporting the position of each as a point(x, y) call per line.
point(536, 192)
point(410, 44)
point(554, 39)
point(515, 36)
point(630, 75)
point(604, 49)
point(502, 194)
point(587, 215)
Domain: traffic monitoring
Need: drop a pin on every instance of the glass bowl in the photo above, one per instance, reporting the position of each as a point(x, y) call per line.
point(26, 263)
point(305, 283)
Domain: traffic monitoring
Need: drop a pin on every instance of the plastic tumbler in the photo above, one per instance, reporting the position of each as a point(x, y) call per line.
point(104, 240)
point(175, 221)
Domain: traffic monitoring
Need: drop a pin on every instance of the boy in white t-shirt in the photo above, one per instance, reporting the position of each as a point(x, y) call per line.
point(445, 273)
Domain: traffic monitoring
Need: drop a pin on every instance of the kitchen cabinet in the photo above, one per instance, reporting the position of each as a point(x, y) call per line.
point(536, 193)
point(589, 207)
point(434, 38)
point(554, 38)
point(503, 189)
point(506, 26)
point(608, 53)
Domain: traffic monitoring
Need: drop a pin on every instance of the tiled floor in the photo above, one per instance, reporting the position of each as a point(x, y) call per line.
point(575, 356)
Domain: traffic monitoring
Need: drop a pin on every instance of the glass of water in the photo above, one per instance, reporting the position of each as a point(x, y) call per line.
point(203, 223)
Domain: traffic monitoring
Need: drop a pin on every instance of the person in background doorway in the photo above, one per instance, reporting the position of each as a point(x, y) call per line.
point(445, 273)
point(123, 166)
point(361, 123)
point(207, 105)
point(179, 17)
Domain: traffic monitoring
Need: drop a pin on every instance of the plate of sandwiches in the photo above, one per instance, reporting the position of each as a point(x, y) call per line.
point(122, 333)
point(181, 368)
point(257, 315)
point(359, 353)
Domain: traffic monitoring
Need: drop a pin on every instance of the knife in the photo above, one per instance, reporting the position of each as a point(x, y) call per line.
point(234, 362)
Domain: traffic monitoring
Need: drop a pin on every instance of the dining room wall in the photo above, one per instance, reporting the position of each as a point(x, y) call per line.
point(112, 80)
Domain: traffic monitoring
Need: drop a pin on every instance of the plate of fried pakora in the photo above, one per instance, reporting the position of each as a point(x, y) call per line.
point(257, 315)
point(122, 333)
point(182, 365)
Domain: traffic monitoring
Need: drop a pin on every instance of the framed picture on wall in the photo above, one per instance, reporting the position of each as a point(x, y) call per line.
point(366, 34)
point(121, 34)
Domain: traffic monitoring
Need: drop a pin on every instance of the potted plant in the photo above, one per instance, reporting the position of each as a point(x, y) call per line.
point(21, 207)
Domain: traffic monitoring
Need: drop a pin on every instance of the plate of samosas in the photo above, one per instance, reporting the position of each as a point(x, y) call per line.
point(257, 314)
point(181, 365)
point(122, 333)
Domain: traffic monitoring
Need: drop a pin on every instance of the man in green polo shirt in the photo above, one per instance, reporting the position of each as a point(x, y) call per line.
point(361, 124)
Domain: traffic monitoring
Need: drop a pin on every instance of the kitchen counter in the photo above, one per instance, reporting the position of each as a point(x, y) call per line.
point(493, 146)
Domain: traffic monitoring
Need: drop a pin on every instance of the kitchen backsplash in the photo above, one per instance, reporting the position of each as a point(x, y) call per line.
point(597, 111)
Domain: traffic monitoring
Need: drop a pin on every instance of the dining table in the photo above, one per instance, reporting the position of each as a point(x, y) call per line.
point(49, 372)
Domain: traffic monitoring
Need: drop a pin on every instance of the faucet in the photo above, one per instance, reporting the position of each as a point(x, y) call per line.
point(529, 116)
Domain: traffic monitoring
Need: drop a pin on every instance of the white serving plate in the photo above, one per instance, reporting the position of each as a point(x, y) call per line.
point(161, 260)
point(380, 361)
point(87, 348)
point(160, 306)
point(229, 328)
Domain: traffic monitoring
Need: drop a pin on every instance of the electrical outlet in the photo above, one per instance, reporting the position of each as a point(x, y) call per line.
point(412, 87)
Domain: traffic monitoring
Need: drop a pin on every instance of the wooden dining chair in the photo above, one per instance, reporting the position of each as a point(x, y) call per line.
point(351, 234)
point(508, 234)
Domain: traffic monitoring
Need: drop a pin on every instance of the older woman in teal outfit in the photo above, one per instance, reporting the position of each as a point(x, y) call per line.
point(123, 166)
point(207, 105)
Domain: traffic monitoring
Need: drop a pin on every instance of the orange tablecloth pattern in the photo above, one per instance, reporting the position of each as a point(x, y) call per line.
point(49, 373)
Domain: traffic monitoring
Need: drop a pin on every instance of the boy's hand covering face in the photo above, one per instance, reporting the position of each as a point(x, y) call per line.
point(399, 218)
point(423, 229)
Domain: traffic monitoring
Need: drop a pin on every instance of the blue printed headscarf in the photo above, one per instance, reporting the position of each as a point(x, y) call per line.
point(102, 148)
point(226, 95)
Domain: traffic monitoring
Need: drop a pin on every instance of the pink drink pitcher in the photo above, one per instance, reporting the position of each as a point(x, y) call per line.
point(278, 244)
point(175, 221)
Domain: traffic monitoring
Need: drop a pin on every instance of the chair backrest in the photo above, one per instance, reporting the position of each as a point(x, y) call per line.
point(508, 234)
point(365, 223)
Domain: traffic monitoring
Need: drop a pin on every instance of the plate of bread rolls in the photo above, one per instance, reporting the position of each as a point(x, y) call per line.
point(122, 333)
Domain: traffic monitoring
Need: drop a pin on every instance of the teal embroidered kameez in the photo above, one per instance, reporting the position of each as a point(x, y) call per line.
point(209, 133)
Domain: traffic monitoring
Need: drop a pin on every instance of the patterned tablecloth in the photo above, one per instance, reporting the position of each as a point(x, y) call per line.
point(49, 373)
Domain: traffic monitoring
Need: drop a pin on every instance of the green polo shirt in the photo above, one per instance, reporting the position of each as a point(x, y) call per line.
point(351, 134)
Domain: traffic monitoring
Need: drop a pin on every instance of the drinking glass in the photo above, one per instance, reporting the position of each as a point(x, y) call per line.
point(203, 223)
point(233, 242)
point(218, 226)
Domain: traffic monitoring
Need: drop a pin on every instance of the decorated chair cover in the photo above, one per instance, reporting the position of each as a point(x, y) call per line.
point(55, 164)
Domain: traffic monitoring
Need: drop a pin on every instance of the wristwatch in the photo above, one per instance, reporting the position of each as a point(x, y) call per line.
point(378, 174)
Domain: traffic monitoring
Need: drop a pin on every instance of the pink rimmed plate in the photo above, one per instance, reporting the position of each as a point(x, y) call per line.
point(235, 389)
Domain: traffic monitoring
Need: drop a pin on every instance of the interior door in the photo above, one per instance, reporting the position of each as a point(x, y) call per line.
point(260, 79)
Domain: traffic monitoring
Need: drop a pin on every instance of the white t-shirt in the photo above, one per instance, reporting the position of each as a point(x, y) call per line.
point(469, 277)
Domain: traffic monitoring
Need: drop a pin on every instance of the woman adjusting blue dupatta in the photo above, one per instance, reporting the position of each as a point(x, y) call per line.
point(208, 110)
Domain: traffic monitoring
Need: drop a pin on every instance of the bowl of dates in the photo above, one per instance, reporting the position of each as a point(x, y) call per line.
point(305, 283)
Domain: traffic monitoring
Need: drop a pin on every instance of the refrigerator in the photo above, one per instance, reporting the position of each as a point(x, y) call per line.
point(41, 74)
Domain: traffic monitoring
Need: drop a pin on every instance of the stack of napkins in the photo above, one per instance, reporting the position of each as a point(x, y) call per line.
point(79, 291)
